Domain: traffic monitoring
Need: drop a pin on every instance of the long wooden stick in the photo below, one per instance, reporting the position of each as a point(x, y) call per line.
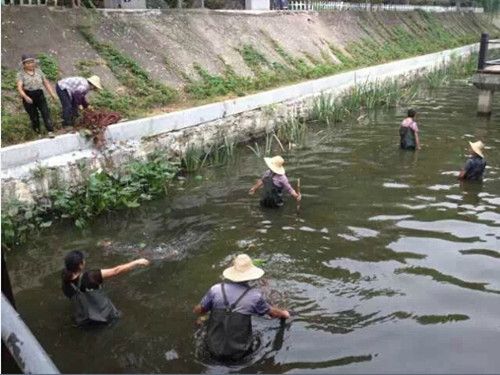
point(298, 192)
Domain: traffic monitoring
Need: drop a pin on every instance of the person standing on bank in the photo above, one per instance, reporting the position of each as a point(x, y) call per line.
point(274, 182)
point(84, 288)
point(408, 132)
point(475, 165)
point(231, 304)
point(72, 93)
point(30, 84)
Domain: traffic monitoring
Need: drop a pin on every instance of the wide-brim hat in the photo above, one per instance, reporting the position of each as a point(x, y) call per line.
point(242, 270)
point(275, 164)
point(477, 147)
point(95, 81)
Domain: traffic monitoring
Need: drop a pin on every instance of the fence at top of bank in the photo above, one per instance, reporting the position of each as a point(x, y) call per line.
point(325, 5)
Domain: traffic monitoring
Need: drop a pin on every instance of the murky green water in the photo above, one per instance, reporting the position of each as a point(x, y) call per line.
point(390, 266)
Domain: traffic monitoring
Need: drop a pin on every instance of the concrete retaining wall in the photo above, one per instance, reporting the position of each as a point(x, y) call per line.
point(28, 170)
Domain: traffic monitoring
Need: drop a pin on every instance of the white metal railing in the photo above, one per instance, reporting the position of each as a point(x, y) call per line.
point(24, 347)
point(29, 2)
point(325, 5)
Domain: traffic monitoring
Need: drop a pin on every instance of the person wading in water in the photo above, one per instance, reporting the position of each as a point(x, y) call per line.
point(475, 165)
point(274, 182)
point(91, 306)
point(231, 304)
point(408, 132)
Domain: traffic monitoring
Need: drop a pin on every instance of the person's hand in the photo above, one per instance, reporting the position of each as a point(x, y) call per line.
point(53, 97)
point(299, 197)
point(286, 314)
point(80, 107)
point(251, 191)
point(28, 100)
point(142, 262)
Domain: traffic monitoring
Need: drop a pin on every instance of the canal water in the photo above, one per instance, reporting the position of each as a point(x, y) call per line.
point(390, 265)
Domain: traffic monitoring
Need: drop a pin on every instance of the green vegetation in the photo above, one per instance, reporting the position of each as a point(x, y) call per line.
point(49, 66)
point(143, 92)
point(103, 191)
point(195, 158)
point(8, 79)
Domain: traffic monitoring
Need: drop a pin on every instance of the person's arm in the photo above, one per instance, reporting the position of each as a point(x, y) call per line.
point(122, 268)
point(290, 189)
point(79, 99)
point(274, 312)
point(49, 88)
point(21, 92)
point(256, 187)
point(417, 140)
point(464, 170)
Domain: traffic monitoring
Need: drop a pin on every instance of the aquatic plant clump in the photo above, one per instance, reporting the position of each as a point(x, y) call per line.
point(103, 191)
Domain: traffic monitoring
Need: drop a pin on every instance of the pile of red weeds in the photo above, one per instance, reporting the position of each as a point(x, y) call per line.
point(94, 123)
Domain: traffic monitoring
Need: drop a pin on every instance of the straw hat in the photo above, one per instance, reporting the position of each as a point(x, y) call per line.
point(276, 164)
point(477, 147)
point(95, 81)
point(242, 270)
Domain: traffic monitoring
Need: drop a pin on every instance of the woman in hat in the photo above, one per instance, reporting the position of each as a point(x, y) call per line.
point(30, 84)
point(274, 182)
point(72, 92)
point(475, 165)
point(231, 304)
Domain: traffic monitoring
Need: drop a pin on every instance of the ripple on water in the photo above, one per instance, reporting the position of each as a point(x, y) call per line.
point(457, 228)
point(395, 185)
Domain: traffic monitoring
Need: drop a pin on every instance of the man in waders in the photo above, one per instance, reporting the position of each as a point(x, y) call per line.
point(474, 167)
point(408, 132)
point(274, 182)
point(231, 304)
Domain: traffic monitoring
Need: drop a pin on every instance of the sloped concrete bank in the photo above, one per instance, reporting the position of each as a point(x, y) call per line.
point(31, 169)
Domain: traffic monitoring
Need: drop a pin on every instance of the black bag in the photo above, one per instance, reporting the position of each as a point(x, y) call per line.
point(229, 333)
point(92, 307)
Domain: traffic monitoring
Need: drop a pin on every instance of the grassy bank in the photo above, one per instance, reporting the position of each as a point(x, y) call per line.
point(104, 191)
point(140, 95)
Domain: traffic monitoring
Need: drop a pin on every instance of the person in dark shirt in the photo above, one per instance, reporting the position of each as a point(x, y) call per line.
point(74, 273)
point(475, 165)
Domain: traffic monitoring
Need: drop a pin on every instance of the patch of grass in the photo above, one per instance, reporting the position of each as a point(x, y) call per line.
point(292, 131)
point(84, 67)
point(49, 66)
point(8, 79)
point(195, 158)
point(144, 92)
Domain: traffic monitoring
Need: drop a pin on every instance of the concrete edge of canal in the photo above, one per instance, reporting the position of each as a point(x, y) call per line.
point(30, 170)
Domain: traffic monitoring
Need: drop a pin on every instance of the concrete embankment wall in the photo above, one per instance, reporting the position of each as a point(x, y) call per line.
point(29, 170)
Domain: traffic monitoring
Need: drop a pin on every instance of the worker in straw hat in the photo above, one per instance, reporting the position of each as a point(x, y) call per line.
point(231, 304)
point(274, 182)
point(475, 165)
point(72, 93)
